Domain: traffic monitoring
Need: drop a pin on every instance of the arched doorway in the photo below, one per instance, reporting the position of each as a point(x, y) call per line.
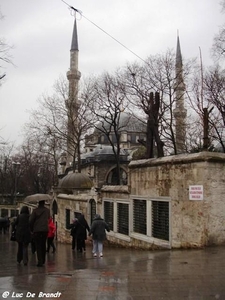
point(92, 209)
point(54, 212)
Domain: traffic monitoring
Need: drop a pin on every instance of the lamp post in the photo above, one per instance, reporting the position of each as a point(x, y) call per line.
point(16, 166)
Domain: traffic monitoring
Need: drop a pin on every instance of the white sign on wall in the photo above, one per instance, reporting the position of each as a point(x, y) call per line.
point(195, 192)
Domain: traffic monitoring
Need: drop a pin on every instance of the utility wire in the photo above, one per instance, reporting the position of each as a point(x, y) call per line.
point(80, 12)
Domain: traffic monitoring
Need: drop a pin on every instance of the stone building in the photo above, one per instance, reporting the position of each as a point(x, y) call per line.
point(74, 196)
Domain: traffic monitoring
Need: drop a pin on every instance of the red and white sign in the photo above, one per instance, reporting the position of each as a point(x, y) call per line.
point(195, 192)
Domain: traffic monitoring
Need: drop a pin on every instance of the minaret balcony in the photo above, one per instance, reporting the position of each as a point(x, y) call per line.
point(73, 75)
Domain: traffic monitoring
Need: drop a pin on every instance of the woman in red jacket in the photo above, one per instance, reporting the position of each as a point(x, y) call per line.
point(51, 235)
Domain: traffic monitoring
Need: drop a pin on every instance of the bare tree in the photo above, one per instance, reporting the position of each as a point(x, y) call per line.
point(218, 48)
point(106, 100)
point(37, 167)
point(5, 56)
point(214, 85)
point(49, 124)
point(6, 171)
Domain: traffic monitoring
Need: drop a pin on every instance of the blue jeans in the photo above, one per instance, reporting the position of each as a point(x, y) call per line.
point(97, 246)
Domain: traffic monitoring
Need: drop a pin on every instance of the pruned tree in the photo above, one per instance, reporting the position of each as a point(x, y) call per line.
point(206, 97)
point(152, 111)
point(157, 74)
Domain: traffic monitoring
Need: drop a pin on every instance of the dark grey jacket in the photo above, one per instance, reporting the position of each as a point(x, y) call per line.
point(39, 219)
point(98, 228)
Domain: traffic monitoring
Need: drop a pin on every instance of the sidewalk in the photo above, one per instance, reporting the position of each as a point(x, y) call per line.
point(122, 274)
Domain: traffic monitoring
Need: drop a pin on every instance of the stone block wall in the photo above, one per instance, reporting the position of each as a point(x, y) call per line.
point(193, 223)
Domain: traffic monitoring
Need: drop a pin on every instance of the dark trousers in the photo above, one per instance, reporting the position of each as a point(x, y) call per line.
point(50, 243)
point(80, 245)
point(33, 247)
point(40, 239)
point(22, 253)
point(74, 241)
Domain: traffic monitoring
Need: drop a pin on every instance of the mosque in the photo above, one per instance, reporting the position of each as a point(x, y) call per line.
point(166, 202)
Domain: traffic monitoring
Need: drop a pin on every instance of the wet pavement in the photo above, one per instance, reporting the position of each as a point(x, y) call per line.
point(122, 274)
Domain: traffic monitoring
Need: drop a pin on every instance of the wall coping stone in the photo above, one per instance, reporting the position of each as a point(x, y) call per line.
point(115, 188)
point(78, 197)
point(203, 156)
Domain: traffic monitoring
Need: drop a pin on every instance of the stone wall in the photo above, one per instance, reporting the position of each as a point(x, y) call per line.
point(193, 223)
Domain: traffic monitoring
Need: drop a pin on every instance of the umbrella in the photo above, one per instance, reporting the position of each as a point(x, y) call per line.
point(37, 197)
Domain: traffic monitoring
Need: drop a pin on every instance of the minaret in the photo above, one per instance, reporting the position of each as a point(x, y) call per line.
point(180, 113)
point(73, 76)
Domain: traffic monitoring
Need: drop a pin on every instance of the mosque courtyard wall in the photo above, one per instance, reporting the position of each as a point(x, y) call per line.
point(170, 202)
point(175, 180)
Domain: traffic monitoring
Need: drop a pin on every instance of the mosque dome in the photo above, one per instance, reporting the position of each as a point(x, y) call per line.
point(127, 122)
point(103, 153)
point(75, 181)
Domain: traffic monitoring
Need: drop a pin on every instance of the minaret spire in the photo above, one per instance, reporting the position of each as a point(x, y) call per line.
point(180, 113)
point(73, 76)
point(179, 62)
point(74, 44)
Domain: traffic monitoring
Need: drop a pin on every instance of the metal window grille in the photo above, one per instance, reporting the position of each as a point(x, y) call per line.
point(108, 213)
point(123, 218)
point(139, 216)
point(160, 220)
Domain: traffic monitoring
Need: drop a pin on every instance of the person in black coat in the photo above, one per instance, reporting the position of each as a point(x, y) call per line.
point(81, 228)
point(73, 233)
point(23, 235)
point(98, 228)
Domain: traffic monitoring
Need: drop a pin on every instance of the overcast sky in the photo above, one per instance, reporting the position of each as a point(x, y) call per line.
point(41, 32)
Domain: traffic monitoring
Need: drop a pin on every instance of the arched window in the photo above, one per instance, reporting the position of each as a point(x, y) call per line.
point(112, 177)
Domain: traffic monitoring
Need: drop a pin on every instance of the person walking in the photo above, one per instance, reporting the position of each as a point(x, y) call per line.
point(23, 235)
point(39, 227)
point(81, 228)
point(73, 233)
point(51, 235)
point(98, 232)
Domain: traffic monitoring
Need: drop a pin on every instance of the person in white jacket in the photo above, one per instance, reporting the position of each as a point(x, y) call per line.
point(98, 232)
